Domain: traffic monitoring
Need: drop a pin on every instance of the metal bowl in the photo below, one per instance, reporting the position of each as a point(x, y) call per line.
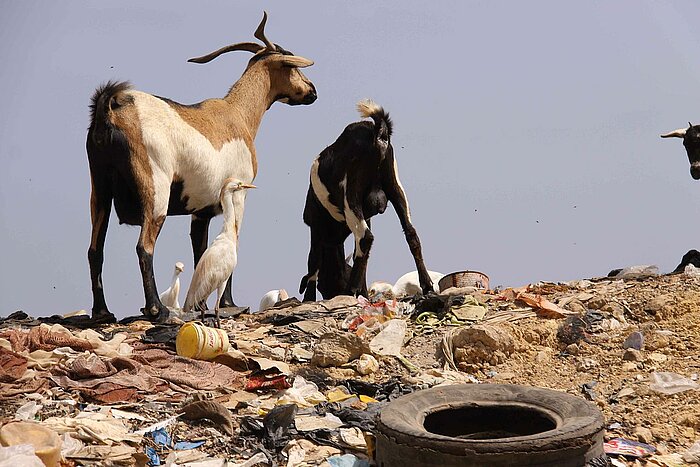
point(465, 279)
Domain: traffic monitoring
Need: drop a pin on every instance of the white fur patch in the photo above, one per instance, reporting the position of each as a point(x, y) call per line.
point(323, 195)
point(403, 192)
point(357, 226)
point(176, 148)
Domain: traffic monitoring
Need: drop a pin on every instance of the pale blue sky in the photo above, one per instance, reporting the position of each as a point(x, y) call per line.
point(526, 135)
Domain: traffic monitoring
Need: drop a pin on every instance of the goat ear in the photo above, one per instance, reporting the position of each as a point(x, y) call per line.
point(295, 60)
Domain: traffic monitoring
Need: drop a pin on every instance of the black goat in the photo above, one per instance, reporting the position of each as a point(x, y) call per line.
point(351, 181)
point(691, 141)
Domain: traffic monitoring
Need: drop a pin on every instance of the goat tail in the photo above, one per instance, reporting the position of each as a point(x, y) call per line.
point(100, 105)
point(382, 123)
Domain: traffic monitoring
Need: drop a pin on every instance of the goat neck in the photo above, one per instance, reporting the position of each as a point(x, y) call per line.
point(251, 96)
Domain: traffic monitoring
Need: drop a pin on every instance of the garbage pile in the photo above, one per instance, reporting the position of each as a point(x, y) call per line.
point(301, 383)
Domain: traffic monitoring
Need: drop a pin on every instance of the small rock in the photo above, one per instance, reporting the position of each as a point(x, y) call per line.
point(576, 306)
point(616, 310)
point(658, 357)
point(572, 349)
point(542, 357)
point(367, 364)
point(337, 348)
point(504, 376)
point(584, 364)
point(596, 303)
point(634, 341)
point(644, 435)
point(656, 304)
point(632, 355)
point(629, 366)
point(625, 392)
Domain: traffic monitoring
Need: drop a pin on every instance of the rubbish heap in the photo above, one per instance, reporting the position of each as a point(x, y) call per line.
point(301, 383)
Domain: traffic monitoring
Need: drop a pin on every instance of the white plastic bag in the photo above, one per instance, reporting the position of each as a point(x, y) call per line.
point(671, 383)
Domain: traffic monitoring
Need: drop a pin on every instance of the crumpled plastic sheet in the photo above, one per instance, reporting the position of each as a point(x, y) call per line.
point(93, 427)
point(19, 455)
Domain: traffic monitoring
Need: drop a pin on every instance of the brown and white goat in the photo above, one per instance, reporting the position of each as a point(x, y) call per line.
point(154, 157)
point(351, 181)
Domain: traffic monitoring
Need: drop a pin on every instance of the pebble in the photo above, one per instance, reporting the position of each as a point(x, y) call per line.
point(658, 357)
point(632, 355)
point(644, 435)
point(634, 341)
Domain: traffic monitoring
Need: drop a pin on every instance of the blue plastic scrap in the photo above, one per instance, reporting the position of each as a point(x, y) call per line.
point(162, 437)
point(347, 460)
point(185, 445)
point(153, 457)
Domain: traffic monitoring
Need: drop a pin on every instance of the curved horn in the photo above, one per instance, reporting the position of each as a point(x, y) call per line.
point(247, 46)
point(679, 133)
point(260, 33)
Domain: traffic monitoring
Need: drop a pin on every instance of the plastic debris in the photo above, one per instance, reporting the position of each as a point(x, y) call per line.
point(390, 339)
point(671, 383)
point(312, 422)
point(267, 382)
point(628, 448)
point(19, 455)
point(28, 411)
point(347, 460)
point(302, 393)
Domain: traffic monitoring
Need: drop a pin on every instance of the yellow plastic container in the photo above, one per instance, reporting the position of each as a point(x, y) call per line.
point(195, 340)
point(47, 444)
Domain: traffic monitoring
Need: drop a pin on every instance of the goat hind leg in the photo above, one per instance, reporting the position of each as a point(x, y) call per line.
point(308, 282)
point(100, 209)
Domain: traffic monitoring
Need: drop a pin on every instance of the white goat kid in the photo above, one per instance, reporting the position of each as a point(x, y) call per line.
point(154, 157)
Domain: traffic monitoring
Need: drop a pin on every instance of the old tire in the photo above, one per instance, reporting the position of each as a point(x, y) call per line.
point(489, 425)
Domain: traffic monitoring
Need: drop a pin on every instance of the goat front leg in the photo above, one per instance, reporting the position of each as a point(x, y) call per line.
point(397, 196)
point(363, 243)
point(154, 309)
point(199, 236)
point(100, 209)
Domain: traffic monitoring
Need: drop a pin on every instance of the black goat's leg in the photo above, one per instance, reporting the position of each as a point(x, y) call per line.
point(100, 209)
point(397, 196)
point(363, 244)
point(308, 282)
point(199, 236)
point(227, 297)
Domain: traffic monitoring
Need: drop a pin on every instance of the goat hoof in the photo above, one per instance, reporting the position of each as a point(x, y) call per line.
point(103, 317)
